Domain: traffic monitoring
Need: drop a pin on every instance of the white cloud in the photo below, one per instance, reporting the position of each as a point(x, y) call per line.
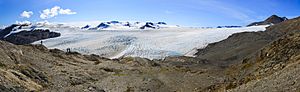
point(66, 11)
point(55, 11)
point(26, 14)
point(23, 22)
point(49, 13)
point(45, 22)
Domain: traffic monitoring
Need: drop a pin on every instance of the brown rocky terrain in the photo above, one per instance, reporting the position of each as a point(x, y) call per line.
point(36, 68)
point(274, 19)
point(240, 45)
point(250, 61)
point(266, 61)
point(274, 68)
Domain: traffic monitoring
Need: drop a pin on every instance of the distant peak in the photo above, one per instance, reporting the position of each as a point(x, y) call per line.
point(274, 19)
point(275, 16)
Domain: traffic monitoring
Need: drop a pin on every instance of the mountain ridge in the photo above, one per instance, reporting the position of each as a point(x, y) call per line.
point(274, 19)
point(116, 25)
point(278, 51)
point(17, 35)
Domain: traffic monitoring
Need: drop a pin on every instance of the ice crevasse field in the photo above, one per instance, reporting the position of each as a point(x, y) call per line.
point(151, 44)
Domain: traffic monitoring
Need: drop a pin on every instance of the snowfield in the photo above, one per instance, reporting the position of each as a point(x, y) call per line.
point(152, 44)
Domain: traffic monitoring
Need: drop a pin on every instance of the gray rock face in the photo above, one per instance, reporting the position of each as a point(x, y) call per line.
point(25, 37)
point(7, 30)
point(149, 25)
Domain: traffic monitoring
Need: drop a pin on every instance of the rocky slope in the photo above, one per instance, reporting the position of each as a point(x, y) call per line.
point(258, 61)
point(238, 46)
point(36, 68)
point(274, 68)
point(274, 19)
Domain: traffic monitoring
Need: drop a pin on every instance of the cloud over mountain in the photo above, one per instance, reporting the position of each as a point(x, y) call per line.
point(26, 14)
point(55, 11)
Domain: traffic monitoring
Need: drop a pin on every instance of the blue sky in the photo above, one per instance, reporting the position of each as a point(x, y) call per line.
point(178, 12)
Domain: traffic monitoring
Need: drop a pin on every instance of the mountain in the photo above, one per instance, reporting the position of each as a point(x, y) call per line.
point(25, 34)
point(103, 25)
point(274, 19)
point(116, 25)
point(275, 67)
point(257, 58)
point(240, 45)
point(229, 26)
point(7, 30)
point(150, 25)
point(162, 23)
point(127, 24)
point(86, 27)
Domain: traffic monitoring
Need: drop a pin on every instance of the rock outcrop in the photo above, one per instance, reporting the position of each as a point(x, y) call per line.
point(25, 36)
point(274, 19)
point(149, 25)
point(7, 30)
point(102, 26)
point(86, 27)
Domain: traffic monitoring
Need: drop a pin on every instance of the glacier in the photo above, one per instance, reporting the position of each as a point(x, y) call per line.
point(150, 43)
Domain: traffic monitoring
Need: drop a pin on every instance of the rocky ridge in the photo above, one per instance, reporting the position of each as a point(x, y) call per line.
point(274, 19)
point(16, 35)
point(267, 64)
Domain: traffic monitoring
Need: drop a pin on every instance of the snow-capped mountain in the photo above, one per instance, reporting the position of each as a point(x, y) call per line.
point(116, 25)
point(26, 33)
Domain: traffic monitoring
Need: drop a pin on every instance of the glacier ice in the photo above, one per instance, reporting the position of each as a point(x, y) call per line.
point(152, 44)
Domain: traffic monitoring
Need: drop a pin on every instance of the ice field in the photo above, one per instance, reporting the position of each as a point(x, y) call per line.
point(152, 44)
